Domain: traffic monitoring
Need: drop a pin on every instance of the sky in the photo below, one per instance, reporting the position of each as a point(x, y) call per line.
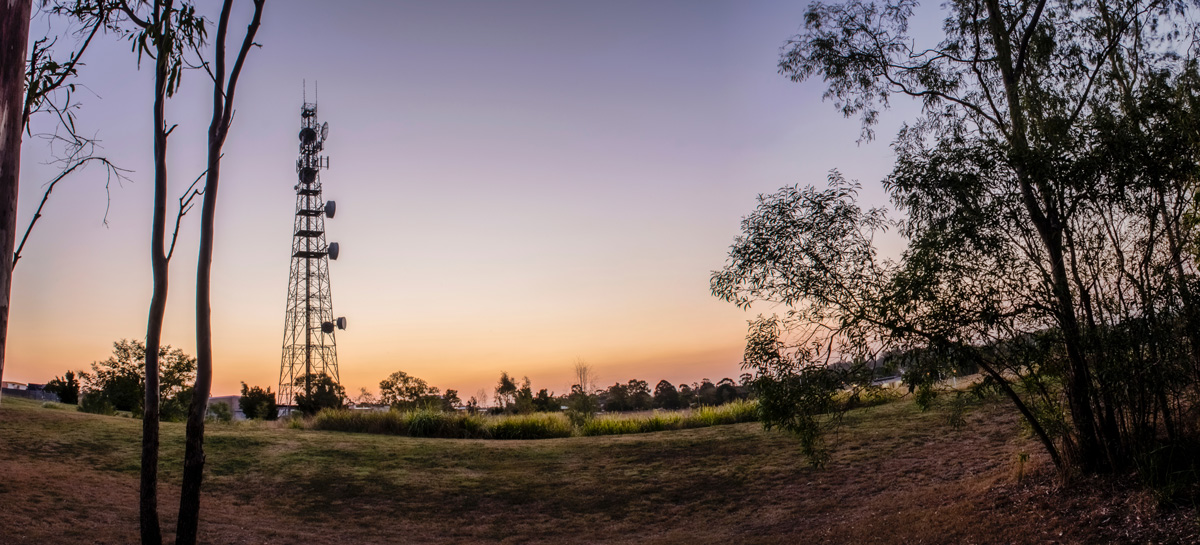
point(520, 184)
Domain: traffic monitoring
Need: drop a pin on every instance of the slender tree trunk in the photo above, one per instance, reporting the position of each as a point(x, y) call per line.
point(222, 116)
point(14, 35)
point(150, 526)
point(1044, 216)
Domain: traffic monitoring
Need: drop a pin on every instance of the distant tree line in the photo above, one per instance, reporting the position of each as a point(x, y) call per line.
point(402, 391)
point(118, 383)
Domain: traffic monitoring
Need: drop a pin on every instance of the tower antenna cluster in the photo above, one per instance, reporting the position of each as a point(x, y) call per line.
point(309, 343)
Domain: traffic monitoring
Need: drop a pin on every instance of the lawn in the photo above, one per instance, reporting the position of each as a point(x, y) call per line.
point(897, 475)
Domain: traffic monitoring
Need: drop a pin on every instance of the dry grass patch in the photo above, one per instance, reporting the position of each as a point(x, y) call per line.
point(897, 475)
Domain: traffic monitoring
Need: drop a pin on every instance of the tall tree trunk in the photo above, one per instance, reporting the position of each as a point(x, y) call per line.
point(14, 35)
point(222, 116)
point(148, 507)
point(1044, 215)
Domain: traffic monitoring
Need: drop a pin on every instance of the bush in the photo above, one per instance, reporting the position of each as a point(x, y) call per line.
point(258, 403)
point(530, 426)
point(730, 413)
point(94, 402)
point(454, 425)
point(219, 412)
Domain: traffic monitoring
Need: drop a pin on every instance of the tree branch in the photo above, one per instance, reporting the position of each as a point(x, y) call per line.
point(112, 170)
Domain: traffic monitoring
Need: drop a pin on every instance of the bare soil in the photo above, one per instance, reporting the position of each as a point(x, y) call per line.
point(898, 475)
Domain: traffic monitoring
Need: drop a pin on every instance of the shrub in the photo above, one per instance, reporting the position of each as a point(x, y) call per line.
point(730, 413)
point(219, 412)
point(94, 402)
point(431, 422)
point(530, 426)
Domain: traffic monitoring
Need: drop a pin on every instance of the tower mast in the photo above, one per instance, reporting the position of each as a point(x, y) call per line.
point(309, 344)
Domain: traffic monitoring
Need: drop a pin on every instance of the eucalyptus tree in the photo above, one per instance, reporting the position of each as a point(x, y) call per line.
point(165, 32)
point(29, 85)
point(14, 33)
point(225, 77)
point(1044, 189)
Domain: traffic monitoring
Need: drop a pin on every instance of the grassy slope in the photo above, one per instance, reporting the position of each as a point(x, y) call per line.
point(897, 476)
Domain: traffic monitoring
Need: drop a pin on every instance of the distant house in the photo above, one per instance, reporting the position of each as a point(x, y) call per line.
point(29, 391)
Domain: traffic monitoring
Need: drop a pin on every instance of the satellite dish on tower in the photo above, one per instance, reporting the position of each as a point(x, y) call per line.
point(324, 130)
point(341, 323)
point(327, 327)
point(330, 209)
point(333, 250)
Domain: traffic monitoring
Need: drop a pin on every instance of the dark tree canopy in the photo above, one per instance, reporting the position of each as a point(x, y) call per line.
point(1045, 192)
point(120, 380)
point(325, 393)
point(258, 403)
point(66, 388)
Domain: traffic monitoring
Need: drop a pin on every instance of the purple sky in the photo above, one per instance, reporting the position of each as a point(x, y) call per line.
point(519, 184)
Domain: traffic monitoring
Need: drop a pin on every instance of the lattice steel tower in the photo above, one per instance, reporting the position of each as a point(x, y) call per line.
point(309, 346)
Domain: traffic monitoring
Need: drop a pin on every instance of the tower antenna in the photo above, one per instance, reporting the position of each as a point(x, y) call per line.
point(309, 345)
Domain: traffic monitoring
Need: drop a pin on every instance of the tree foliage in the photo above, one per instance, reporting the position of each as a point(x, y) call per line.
point(404, 391)
point(120, 379)
point(258, 403)
point(324, 393)
point(666, 396)
point(506, 391)
point(1045, 191)
point(65, 387)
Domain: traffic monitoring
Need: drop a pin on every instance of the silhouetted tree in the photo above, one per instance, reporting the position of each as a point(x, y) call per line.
point(403, 391)
point(687, 396)
point(706, 393)
point(726, 391)
point(120, 379)
point(1044, 187)
point(450, 401)
point(225, 80)
point(66, 388)
point(506, 391)
point(640, 398)
point(325, 394)
point(523, 400)
point(545, 402)
point(581, 405)
point(258, 403)
point(666, 396)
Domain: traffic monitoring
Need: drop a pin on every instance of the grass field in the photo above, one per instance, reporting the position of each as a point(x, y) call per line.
point(435, 423)
point(897, 476)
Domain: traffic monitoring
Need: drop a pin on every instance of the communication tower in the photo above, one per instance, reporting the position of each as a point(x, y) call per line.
point(309, 345)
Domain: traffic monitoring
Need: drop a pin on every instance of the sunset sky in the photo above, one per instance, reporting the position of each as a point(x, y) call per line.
point(519, 184)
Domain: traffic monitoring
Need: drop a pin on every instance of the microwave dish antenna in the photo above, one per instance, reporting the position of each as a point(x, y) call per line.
point(309, 344)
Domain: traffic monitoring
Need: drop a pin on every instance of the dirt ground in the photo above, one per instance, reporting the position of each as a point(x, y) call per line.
point(897, 475)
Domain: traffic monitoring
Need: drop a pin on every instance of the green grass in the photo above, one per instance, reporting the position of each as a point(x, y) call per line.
point(897, 472)
point(619, 424)
point(434, 423)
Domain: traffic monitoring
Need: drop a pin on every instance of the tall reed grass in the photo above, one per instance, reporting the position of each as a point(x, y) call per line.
point(435, 423)
point(617, 424)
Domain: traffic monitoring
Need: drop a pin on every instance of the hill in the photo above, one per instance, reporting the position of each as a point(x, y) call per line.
point(897, 475)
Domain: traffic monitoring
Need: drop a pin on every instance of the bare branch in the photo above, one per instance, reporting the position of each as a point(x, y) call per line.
point(185, 204)
point(112, 170)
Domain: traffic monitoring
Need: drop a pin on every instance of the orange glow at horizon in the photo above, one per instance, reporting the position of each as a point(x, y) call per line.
point(567, 198)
